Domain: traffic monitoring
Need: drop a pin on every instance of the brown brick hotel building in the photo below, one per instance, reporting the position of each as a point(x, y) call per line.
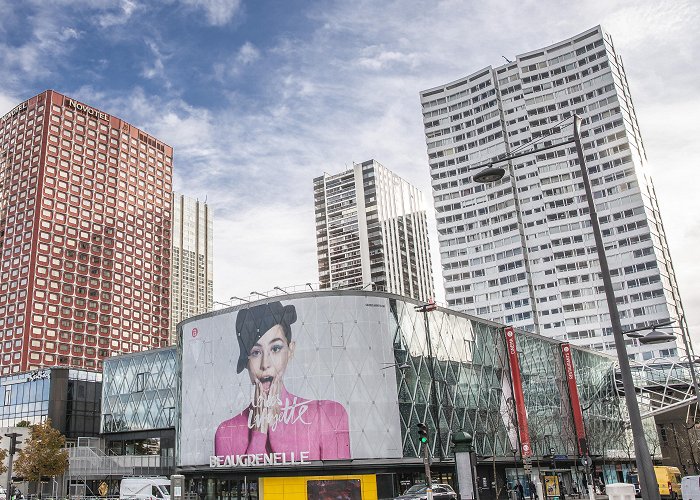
point(84, 236)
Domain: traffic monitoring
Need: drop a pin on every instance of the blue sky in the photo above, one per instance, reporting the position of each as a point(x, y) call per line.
point(259, 97)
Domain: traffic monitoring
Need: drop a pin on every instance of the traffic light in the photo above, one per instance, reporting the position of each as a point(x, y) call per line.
point(422, 433)
point(13, 442)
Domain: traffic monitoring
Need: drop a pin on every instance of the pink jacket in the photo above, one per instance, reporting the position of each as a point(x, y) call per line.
point(317, 427)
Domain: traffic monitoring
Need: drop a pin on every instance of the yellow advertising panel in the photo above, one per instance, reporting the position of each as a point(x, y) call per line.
point(551, 485)
point(352, 487)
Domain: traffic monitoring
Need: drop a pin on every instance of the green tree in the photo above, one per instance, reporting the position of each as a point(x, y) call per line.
point(42, 455)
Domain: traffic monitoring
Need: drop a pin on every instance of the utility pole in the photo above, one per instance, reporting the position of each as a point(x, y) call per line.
point(423, 439)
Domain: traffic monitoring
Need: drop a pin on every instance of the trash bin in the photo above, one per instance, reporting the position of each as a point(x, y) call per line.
point(620, 491)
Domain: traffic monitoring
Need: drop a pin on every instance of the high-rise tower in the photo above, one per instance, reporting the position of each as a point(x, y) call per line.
point(84, 236)
point(521, 250)
point(371, 231)
point(192, 261)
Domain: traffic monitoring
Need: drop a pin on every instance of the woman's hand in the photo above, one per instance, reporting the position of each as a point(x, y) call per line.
point(266, 406)
point(258, 410)
point(274, 402)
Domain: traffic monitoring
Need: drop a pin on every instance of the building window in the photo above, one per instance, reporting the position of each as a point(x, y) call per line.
point(140, 382)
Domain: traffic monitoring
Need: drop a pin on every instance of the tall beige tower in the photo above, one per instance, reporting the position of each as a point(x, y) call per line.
point(192, 260)
point(520, 251)
point(371, 232)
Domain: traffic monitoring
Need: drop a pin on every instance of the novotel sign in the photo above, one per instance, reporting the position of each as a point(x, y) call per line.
point(79, 106)
point(16, 110)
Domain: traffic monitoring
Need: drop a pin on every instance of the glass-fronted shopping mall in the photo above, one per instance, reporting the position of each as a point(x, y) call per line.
point(295, 395)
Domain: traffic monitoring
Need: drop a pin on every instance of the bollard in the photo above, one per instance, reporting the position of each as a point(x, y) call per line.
point(620, 491)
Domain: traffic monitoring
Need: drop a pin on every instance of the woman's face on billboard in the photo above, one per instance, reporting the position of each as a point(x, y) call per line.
point(268, 358)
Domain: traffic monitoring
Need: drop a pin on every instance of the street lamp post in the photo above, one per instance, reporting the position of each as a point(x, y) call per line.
point(650, 489)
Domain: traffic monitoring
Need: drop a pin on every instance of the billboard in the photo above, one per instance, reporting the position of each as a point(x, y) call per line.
point(289, 382)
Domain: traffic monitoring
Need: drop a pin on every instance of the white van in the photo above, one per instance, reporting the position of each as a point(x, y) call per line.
point(690, 488)
point(144, 488)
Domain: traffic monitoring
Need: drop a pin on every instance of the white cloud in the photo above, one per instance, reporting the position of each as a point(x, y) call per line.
point(218, 12)
point(247, 54)
point(155, 68)
point(281, 239)
point(119, 16)
point(350, 93)
point(346, 89)
point(7, 102)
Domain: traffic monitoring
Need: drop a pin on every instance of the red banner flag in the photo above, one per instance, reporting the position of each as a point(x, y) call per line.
point(574, 399)
point(518, 396)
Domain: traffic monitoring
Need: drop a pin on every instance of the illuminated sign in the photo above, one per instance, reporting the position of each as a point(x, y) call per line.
point(78, 106)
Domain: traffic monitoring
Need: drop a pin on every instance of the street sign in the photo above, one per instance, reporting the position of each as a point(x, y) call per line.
point(584, 461)
point(561, 457)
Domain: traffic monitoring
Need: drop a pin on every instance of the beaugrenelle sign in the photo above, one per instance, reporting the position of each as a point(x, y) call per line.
point(253, 460)
point(79, 106)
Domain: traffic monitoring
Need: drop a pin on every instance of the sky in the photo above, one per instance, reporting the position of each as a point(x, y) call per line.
point(258, 97)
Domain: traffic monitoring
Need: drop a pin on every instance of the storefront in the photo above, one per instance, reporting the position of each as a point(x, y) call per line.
point(317, 395)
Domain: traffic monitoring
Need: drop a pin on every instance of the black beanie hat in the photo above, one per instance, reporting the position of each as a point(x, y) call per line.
point(252, 323)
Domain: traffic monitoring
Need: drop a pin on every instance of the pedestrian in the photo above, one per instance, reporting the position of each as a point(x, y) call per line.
point(601, 486)
point(519, 489)
point(533, 489)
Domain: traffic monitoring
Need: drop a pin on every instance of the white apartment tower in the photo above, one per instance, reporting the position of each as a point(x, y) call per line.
point(521, 250)
point(192, 261)
point(371, 231)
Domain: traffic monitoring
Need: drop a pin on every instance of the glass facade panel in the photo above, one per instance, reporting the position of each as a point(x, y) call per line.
point(140, 391)
point(452, 373)
point(467, 387)
point(71, 398)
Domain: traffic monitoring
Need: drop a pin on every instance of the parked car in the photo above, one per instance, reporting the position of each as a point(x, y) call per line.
point(420, 492)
